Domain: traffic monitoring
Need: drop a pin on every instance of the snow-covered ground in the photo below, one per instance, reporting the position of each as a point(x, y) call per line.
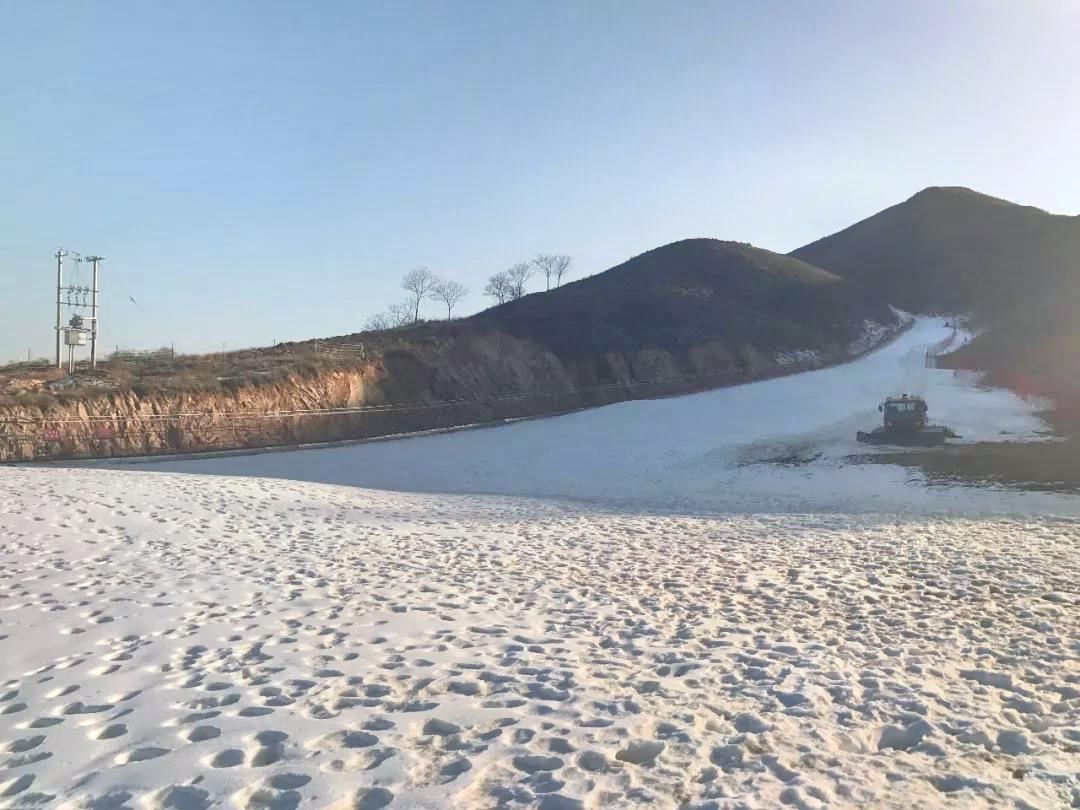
point(694, 452)
point(674, 625)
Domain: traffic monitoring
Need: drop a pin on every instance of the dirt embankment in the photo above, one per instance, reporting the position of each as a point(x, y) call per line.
point(469, 380)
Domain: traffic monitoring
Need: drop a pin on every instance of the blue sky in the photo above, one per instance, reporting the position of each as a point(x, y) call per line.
point(268, 170)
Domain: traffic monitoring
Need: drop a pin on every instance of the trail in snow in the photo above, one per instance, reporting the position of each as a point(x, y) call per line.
point(694, 452)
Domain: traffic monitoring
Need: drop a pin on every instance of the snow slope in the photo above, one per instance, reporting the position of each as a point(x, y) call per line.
point(689, 453)
point(710, 632)
point(183, 641)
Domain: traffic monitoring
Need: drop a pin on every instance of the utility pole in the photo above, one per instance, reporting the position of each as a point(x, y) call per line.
point(60, 254)
point(94, 311)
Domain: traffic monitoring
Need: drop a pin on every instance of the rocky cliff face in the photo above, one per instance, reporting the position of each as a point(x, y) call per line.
point(473, 379)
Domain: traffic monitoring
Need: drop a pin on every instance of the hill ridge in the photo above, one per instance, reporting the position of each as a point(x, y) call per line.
point(1015, 268)
point(690, 291)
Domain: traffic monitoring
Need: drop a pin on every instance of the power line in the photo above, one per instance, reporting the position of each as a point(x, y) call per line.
point(76, 295)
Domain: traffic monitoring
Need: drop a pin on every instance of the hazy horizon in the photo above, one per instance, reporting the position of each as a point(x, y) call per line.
point(254, 172)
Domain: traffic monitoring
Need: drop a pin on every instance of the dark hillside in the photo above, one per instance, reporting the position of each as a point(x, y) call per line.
point(1014, 267)
point(688, 293)
point(953, 249)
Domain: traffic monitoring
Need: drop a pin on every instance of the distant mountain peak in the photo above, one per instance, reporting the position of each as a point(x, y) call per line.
point(952, 249)
point(962, 195)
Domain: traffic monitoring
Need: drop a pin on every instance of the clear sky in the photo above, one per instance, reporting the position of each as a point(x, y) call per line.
point(268, 170)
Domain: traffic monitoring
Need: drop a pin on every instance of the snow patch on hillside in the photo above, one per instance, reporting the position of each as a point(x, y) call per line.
point(874, 334)
point(806, 358)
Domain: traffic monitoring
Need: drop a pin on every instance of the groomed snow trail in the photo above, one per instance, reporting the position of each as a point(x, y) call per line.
point(183, 641)
point(695, 452)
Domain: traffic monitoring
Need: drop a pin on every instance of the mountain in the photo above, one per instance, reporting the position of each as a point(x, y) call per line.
point(692, 292)
point(1015, 268)
point(953, 249)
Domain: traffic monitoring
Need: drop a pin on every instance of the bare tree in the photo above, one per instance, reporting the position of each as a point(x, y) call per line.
point(401, 314)
point(545, 263)
point(395, 317)
point(552, 266)
point(419, 283)
point(561, 266)
point(499, 288)
point(450, 293)
point(518, 275)
point(378, 322)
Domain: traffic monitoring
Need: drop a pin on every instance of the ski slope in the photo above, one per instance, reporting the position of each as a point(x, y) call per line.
point(695, 452)
point(187, 642)
point(715, 630)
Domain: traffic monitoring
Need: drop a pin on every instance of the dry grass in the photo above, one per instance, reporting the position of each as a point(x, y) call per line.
point(40, 385)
